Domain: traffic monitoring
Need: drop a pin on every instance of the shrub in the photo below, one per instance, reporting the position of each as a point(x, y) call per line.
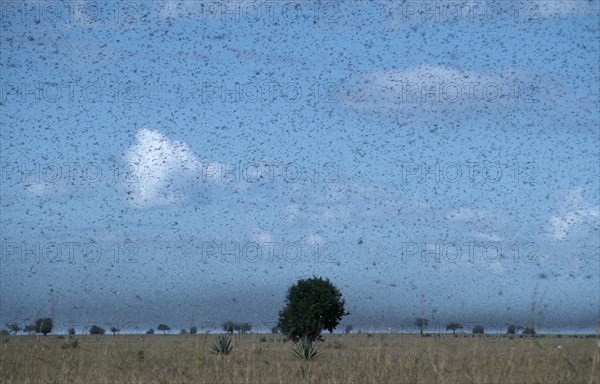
point(222, 345)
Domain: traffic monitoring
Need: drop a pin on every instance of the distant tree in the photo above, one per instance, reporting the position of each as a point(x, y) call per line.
point(478, 330)
point(311, 305)
point(150, 331)
point(44, 325)
point(164, 328)
point(183, 332)
point(245, 327)
point(193, 330)
point(71, 331)
point(529, 331)
point(114, 330)
point(348, 328)
point(453, 327)
point(96, 330)
point(30, 328)
point(4, 332)
point(13, 327)
point(512, 329)
point(229, 326)
point(275, 329)
point(422, 323)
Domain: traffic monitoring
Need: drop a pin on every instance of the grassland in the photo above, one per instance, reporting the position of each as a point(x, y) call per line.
point(354, 358)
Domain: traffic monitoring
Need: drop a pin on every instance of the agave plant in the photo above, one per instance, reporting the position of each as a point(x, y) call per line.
point(306, 349)
point(222, 345)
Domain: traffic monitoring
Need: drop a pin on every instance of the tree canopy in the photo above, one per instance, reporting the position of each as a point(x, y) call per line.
point(44, 325)
point(311, 305)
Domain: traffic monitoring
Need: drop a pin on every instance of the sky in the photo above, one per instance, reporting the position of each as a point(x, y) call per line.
point(185, 162)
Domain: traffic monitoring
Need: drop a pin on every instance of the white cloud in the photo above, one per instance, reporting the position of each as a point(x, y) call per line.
point(573, 213)
point(294, 212)
point(41, 189)
point(262, 237)
point(429, 88)
point(160, 165)
point(315, 239)
point(558, 8)
point(402, 14)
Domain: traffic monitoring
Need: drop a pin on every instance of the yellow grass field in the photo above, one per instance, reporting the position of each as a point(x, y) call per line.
point(354, 358)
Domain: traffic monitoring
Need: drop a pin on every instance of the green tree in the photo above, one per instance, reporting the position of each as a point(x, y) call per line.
point(13, 327)
point(311, 306)
point(96, 330)
point(245, 327)
point(193, 330)
point(164, 328)
point(422, 323)
point(478, 330)
point(44, 325)
point(453, 327)
point(229, 326)
point(114, 330)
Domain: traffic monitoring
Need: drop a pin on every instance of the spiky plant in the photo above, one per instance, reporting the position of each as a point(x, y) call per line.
point(222, 345)
point(306, 349)
point(260, 350)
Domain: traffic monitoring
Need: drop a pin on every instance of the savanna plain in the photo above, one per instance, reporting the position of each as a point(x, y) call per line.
point(267, 358)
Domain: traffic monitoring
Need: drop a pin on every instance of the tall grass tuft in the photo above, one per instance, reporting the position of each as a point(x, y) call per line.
point(306, 349)
point(71, 344)
point(222, 345)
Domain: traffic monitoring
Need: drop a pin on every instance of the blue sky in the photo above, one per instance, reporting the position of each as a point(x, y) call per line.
point(187, 161)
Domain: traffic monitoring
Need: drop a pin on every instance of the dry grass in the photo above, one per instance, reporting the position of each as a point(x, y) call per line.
point(358, 358)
